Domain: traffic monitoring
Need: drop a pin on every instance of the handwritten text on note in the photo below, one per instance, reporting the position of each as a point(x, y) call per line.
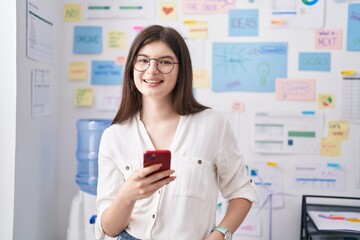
point(207, 6)
point(328, 39)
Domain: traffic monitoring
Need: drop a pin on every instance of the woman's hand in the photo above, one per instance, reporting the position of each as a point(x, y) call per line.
point(142, 183)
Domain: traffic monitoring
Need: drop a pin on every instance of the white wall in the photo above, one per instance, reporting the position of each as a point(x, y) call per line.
point(36, 176)
point(8, 117)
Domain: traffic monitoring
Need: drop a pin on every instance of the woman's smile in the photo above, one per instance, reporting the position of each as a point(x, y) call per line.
point(153, 81)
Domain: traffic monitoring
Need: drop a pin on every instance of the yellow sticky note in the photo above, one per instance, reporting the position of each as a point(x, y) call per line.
point(168, 11)
point(339, 129)
point(326, 101)
point(72, 12)
point(330, 146)
point(201, 78)
point(78, 71)
point(117, 40)
point(84, 97)
point(198, 30)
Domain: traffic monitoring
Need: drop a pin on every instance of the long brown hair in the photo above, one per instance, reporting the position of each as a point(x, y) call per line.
point(183, 98)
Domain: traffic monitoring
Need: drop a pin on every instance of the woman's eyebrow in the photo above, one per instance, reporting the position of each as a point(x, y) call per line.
point(165, 56)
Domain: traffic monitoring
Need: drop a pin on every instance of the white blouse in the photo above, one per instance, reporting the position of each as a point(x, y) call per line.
point(206, 160)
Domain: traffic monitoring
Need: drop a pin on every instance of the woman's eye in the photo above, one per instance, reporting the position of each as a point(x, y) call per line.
point(143, 60)
point(165, 61)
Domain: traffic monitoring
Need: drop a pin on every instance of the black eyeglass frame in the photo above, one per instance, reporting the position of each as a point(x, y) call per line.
point(157, 63)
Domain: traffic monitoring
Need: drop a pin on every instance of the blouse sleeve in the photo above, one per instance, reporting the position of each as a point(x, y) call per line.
point(110, 178)
point(234, 181)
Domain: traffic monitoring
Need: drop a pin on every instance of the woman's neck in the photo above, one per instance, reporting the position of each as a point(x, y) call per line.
point(155, 110)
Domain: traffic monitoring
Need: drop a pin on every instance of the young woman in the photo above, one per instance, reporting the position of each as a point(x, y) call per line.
point(159, 111)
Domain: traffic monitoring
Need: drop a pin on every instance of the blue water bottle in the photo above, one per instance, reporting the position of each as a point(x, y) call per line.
point(89, 133)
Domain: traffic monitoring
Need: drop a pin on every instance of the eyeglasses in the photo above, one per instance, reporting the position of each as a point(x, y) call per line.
point(164, 65)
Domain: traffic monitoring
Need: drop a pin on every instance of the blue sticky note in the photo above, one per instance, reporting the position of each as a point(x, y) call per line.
point(87, 39)
point(106, 73)
point(353, 30)
point(248, 67)
point(243, 22)
point(311, 61)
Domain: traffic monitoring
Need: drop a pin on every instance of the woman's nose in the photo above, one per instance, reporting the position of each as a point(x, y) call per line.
point(153, 66)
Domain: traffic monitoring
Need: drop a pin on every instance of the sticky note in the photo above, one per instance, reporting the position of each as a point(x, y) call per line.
point(199, 30)
point(238, 106)
point(201, 78)
point(207, 7)
point(106, 73)
point(120, 60)
point(168, 11)
point(330, 146)
point(78, 71)
point(295, 89)
point(353, 24)
point(72, 12)
point(83, 97)
point(243, 22)
point(328, 39)
point(326, 101)
point(116, 40)
point(87, 39)
point(339, 129)
point(314, 61)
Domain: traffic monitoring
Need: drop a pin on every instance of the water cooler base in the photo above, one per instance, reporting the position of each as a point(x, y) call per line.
point(83, 207)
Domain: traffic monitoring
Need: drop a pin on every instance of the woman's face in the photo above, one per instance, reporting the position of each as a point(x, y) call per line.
point(151, 82)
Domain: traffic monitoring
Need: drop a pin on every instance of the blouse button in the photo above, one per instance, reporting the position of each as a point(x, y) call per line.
point(199, 162)
point(127, 167)
point(153, 216)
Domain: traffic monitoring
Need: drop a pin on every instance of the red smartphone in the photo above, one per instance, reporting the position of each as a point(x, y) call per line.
point(157, 156)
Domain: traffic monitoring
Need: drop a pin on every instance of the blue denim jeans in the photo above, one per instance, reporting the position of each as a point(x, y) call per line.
point(124, 235)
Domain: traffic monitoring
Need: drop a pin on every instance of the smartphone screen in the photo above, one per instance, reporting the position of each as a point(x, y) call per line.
point(158, 156)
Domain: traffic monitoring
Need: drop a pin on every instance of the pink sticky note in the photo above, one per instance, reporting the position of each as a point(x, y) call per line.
point(295, 89)
point(238, 106)
point(328, 39)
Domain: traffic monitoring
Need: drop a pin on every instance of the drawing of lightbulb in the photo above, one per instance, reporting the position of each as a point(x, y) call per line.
point(263, 70)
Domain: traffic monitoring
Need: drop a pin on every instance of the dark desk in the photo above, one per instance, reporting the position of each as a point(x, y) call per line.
point(309, 231)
